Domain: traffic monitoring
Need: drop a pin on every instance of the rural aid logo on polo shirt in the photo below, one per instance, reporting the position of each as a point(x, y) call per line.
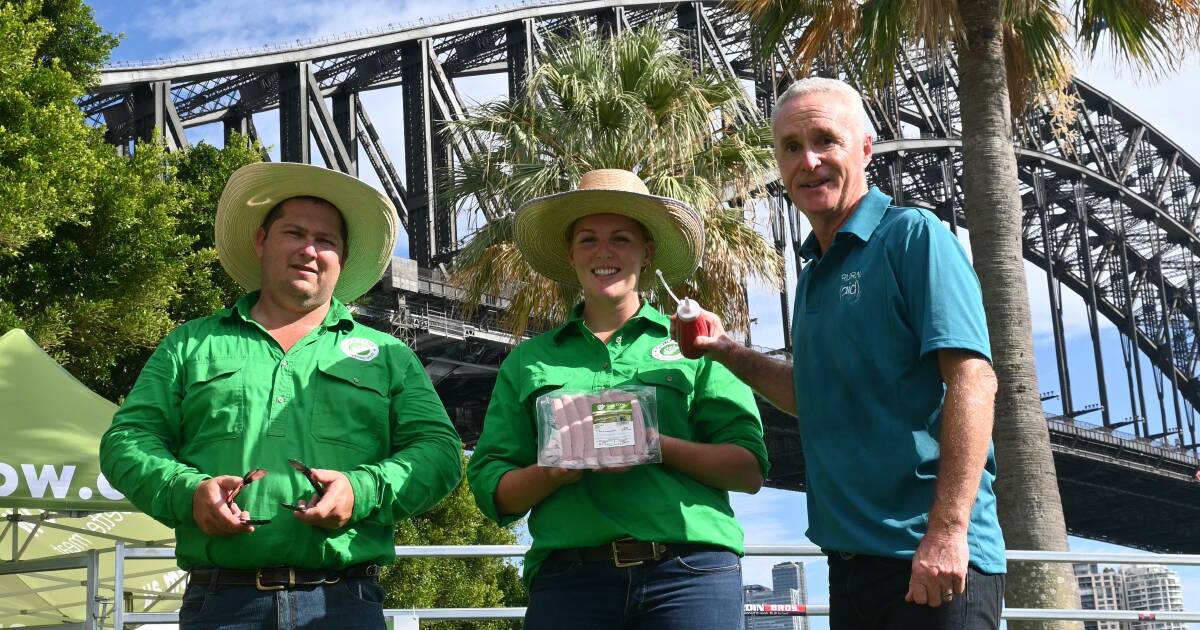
point(850, 292)
point(359, 348)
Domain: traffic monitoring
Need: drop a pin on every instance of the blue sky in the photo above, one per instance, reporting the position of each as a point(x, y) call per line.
point(173, 28)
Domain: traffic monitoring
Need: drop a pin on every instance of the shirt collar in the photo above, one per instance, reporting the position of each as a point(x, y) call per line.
point(645, 312)
point(337, 316)
point(862, 222)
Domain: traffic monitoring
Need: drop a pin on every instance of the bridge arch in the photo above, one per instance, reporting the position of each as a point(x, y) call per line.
point(1110, 206)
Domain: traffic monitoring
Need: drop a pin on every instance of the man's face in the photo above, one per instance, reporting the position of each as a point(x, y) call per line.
point(301, 253)
point(822, 151)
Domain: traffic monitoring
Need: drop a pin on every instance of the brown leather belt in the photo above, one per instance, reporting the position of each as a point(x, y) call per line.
point(280, 578)
point(630, 553)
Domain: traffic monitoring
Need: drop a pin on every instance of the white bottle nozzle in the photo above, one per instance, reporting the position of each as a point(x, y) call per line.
point(688, 310)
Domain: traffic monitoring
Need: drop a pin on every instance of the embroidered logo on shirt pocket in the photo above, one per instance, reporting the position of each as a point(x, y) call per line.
point(352, 404)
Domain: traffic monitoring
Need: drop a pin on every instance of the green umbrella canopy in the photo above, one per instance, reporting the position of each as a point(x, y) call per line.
point(55, 498)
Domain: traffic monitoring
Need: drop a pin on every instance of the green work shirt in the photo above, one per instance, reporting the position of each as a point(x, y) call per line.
point(699, 400)
point(220, 397)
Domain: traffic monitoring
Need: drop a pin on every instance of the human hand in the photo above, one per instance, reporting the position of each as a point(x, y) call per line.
point(716, 344)
point(562, 476)
point(939, 569)
point(332, 510)
point(213, 509)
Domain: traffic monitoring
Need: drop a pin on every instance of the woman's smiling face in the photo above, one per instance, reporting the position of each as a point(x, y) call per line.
point(608, 252)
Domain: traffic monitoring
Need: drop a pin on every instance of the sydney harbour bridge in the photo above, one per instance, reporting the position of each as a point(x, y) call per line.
point(1110, 215)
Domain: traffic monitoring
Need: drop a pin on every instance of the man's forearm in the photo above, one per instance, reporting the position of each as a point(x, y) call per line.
point(770, 377)
point(965, 434)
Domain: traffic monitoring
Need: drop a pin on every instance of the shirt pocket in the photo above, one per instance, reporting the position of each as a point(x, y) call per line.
point(213, 402)
point(537, 380)
point(673, 391)
point(352, 405)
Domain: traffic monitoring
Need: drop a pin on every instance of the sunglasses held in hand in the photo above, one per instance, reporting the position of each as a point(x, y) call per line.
point(247, 479)
point(308, 474)
point(259, 473)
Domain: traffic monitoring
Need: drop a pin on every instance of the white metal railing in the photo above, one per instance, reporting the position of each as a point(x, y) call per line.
point(88, 560)
point(122, 553)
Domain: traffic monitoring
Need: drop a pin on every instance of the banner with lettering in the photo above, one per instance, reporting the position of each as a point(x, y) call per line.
point(57, 502)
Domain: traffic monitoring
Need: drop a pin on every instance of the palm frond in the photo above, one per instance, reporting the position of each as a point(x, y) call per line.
point(1148, 34)
point(1036, 55)
point(632, 102)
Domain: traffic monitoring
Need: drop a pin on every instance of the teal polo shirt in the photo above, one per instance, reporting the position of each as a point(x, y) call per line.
point(870, 314)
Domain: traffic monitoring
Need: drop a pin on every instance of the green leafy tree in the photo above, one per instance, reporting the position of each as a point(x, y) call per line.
point(94, 292)
point(101, 290)
point(200, 174)
point(76, 44)
point(454, 582)
point(632, 102)
point(1010, 53)
point(48, 159)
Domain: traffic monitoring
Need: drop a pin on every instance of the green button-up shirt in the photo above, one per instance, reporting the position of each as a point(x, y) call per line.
point(220, 397)
point(699, 400)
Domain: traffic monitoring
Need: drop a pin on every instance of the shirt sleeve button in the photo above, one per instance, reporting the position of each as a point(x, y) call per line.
point(279, 400)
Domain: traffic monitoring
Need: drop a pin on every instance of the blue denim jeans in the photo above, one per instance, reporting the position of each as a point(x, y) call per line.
point(701, 590)
point(346, 605)
point(867, 593)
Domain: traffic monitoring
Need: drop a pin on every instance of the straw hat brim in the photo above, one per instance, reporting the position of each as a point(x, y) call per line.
point(541, 226)
point(255, 188)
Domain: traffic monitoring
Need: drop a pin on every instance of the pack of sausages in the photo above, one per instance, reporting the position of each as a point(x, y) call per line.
point(606, 428)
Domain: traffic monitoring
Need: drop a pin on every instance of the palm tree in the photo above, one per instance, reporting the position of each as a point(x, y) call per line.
point(1004, 48)
point(634, 102)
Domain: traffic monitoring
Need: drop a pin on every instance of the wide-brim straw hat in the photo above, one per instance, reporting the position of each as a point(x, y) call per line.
point(254, 189)
point(675, 227)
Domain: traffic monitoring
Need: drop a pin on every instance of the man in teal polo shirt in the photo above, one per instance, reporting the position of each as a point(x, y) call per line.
point(891, 382)
point(216, 437)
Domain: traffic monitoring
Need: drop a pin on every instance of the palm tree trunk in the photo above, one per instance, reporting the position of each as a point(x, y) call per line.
point(1026, 488)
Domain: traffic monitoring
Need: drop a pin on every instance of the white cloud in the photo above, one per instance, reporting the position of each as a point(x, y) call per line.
point(212, 26)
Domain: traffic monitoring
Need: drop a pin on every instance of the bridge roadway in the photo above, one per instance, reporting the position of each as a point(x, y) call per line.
point(1114, 487)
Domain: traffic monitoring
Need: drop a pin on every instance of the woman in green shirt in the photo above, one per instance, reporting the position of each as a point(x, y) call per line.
point(648, 546)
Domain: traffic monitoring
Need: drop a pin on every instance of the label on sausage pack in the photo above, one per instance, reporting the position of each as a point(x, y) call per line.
point(613, 424)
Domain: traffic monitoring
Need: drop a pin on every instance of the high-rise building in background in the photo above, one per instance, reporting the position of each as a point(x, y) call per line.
point(1100, 590)
point(788, 587)
point(1138, 587)
point(789, 575)
point(1153, 587)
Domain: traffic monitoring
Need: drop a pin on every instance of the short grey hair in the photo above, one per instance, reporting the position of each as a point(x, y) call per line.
point(821, 85)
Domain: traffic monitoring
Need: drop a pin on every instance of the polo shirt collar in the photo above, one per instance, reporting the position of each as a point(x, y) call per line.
point(338, 315)
point(862, 222)
point(645, 312)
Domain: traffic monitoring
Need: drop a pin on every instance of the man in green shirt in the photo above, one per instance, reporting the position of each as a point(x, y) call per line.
point(211, 439)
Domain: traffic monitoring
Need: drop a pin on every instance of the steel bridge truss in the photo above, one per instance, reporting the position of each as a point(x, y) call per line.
point(1110, 213)
point(1110, 204)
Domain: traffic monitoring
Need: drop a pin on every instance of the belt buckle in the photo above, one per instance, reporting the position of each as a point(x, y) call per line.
point(291, 583)
point(656, 553)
